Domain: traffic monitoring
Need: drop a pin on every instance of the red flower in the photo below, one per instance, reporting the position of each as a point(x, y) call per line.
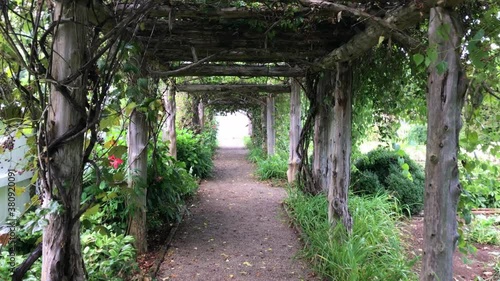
point(114, 162)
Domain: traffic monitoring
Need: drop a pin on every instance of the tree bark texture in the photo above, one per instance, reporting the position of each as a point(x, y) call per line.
point(62, 181)
point(295, 128)
point(442, 187)
point(171, 112)
point(322, 121)
point(340, 146)
point(137, 140)
point(270, 126)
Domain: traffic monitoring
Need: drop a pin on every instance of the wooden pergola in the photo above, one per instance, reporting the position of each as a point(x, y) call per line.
point(276, 38)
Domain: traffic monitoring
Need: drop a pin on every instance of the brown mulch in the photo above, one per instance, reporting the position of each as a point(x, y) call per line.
point(235, 230)
point(465, 267)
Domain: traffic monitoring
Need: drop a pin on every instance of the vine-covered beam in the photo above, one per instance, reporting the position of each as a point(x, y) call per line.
point(236, 88)
point(231, 70)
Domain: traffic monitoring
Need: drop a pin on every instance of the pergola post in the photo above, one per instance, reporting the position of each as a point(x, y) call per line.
point(270, 126)
point(295, 128)
point(339, 164)
point(137, 139)
point(170, 110)
point(445, 98)
point(263, 123)
point(201, 114)
point(322, 123)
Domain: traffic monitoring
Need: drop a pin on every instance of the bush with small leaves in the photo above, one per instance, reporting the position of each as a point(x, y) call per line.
point(391, 172)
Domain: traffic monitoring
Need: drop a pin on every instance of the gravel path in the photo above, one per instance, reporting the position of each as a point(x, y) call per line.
point(235, 230)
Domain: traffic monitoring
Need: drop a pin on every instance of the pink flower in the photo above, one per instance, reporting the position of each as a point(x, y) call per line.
point(114, 162)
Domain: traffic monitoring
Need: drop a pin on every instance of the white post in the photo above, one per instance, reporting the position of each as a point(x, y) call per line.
point(271, 131)
point(295, 129)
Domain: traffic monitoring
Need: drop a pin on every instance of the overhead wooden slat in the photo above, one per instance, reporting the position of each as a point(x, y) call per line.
point(230, 70)
point(236, 88)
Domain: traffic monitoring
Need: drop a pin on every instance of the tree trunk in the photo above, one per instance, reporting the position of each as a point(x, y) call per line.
point(442, 188)
point(322, 121)
point(340, 147)
point(171, 111)
point(62, 182)
point(295, 127)
point(137, 178)
point(271, 130)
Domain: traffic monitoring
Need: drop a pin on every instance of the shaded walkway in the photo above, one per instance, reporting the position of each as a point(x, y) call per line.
point(235, 230)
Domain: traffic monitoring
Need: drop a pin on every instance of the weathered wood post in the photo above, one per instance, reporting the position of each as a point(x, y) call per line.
point(445, 97)
point(340, 143)
point(201, 114)
point(295, 128)
point(62, 181)
point(137, 140)
point(323, 119)
point(263, 123)
point(270, 126)
point(137, 167)
point(170, 110)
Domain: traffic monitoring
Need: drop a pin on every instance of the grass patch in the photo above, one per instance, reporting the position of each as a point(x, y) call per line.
point(372, 252)
point(272, 167)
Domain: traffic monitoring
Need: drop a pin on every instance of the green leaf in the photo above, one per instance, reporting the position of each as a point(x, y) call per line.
point(128, 67)
point(91, 211)
point(442, 67)
point(443, 31)
point(432, 54)
point(118, 151)
point(418, 59)
point(142, 83)
point(405, 167)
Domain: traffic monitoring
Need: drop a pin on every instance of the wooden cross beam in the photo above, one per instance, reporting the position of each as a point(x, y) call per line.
point(235, 88)
point(230, 70)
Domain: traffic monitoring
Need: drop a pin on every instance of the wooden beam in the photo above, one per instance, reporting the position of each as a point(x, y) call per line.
point(249, 55)
point(236, 88)
point(231, 70)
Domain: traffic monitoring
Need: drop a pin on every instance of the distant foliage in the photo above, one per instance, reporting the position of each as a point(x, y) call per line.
point(391, 172)
point(417, 135)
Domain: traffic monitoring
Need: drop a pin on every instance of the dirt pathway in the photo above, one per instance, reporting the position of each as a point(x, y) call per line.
point(235, 230)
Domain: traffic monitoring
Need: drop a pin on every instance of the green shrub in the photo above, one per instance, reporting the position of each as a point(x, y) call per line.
point(196, 151)
point(33, 274)
point(109, 257)
point(372, 252)
point(392, 172)
point(169, 184)
point(481, 184)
